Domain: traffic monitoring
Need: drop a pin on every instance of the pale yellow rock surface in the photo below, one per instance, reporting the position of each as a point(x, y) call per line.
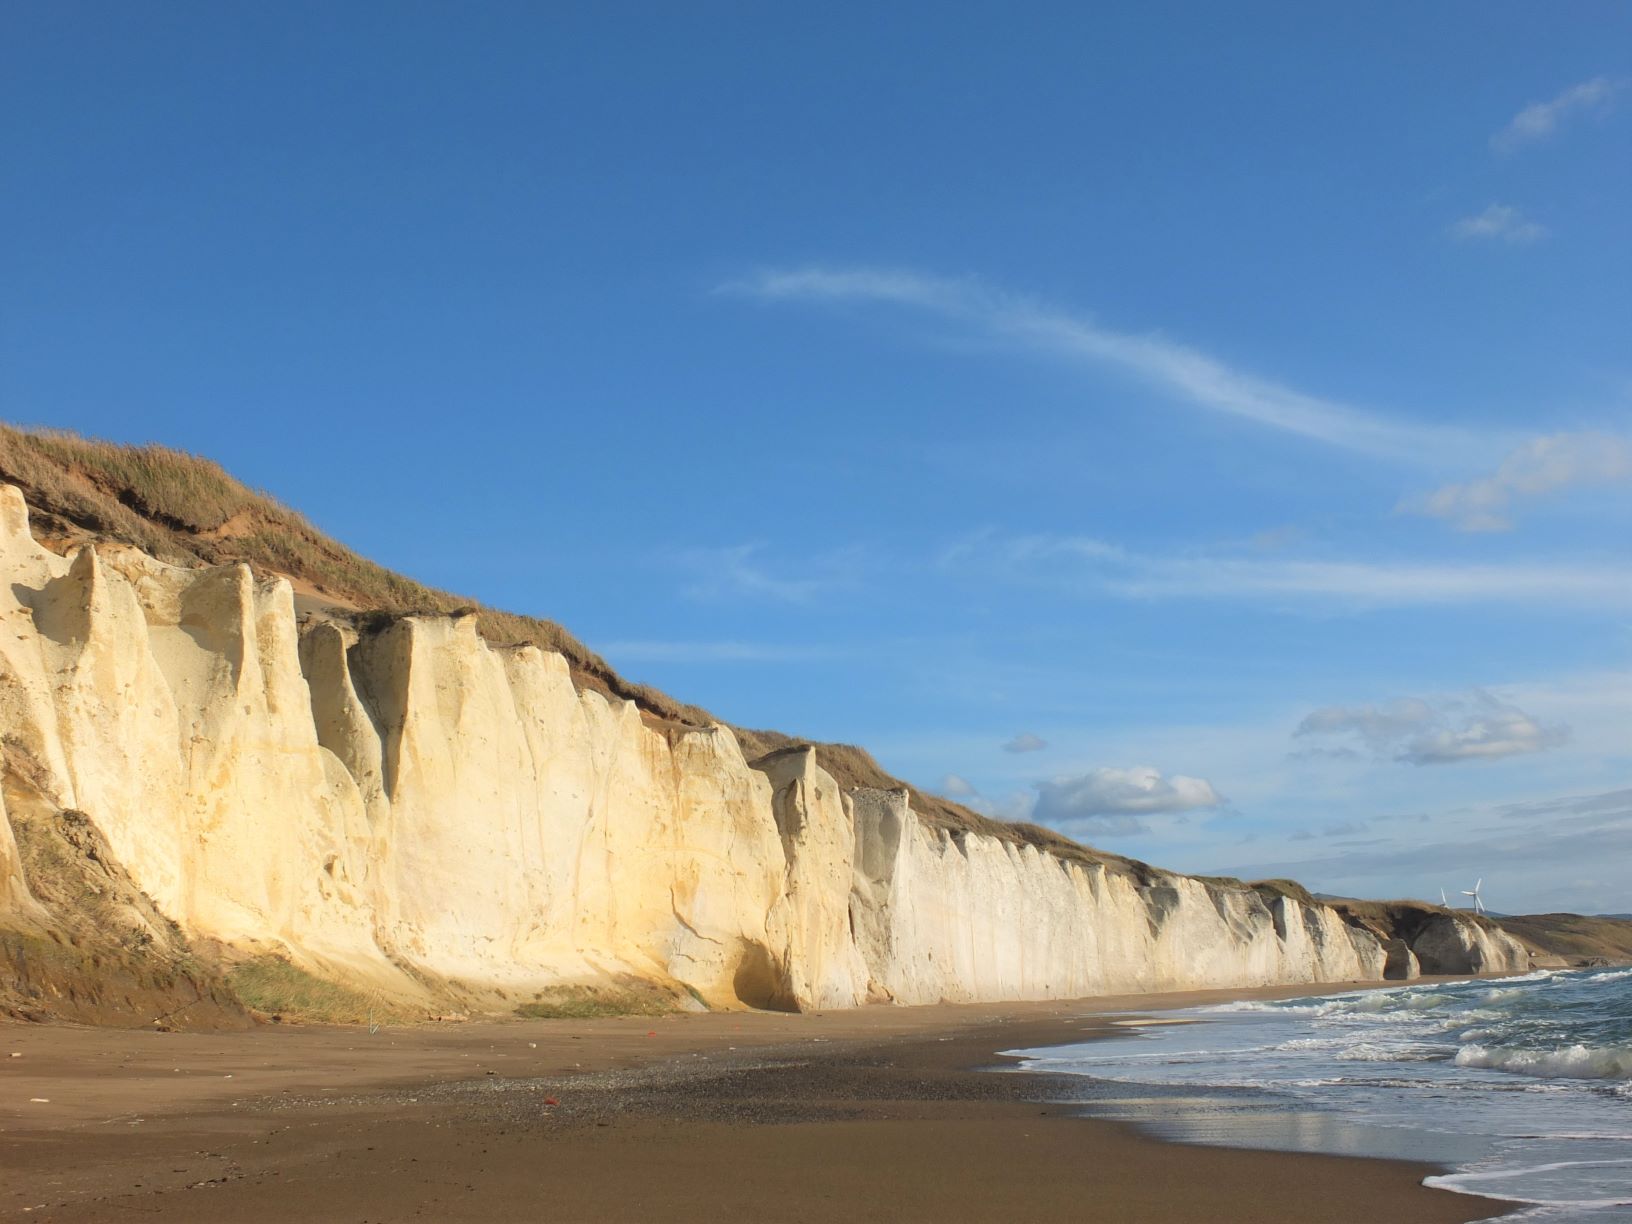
point(963, 917)
point(414, 810)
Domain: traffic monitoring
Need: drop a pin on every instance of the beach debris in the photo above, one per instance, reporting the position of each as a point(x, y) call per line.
point(551, 1101)
point(39, 1100)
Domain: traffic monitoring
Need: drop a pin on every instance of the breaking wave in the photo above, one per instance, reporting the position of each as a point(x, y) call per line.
point(1523, 1085)
point(1568, 1062)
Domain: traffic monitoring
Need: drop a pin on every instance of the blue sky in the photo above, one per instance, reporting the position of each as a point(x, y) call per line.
point(1206, 430)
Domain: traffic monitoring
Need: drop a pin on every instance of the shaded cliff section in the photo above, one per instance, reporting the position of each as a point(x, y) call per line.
point(214, 790)
point(1429, 939)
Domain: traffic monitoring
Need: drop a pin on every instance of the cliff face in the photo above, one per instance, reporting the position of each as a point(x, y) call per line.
point(411, 809)
point(942, 916)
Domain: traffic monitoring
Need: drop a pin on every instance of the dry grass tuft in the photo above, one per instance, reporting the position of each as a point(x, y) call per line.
point(1284, 888)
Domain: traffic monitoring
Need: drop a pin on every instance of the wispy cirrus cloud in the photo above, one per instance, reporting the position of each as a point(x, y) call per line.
point(1341, 828)
point(1539, 467)
point(1499, 223)
point(1572, 807)
point(1535, 862)
point(1476, 727)
point(1380, 584)
point(1093, 566)
point(652, 651)
point(1185, 373)
point(1025, 742)
point(1540, 120)
point(745, 571)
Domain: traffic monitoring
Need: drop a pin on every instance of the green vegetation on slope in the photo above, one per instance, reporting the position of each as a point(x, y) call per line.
point(87, 944)
point(272, 985)
point(587, 1002)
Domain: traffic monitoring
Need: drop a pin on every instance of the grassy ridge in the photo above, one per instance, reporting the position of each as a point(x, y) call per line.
point(1573, 936)
point(188, 510)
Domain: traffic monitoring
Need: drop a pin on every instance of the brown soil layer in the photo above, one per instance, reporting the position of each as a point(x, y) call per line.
point(877, 1114)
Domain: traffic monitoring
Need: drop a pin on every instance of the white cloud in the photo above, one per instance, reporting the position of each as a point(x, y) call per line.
point(1026, 742)
point(1342, 828)
point(1479, 726)
point(738, 572)
point(1109, 800)
point(650, 651)
point(1092, 566)
point(953, 786)
point(1378, 726)
point(1017, 805)
point(1541, 466)
point(1183, 372)
point(1499, 223)
point(1540, 120)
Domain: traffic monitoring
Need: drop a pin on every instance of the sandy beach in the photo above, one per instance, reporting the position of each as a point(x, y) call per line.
point(875, 1114)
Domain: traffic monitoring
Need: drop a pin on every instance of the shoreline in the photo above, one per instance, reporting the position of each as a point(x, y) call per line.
point(877, 1113)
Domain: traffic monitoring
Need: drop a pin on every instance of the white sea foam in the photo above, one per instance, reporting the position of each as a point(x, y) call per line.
point(1477, 1183)
point(1253, 1005)
point(1524, 1084)
point(1567, 1062)
point(1535, 975)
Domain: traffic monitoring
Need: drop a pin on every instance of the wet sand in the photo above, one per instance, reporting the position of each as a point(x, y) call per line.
point(877, 1114)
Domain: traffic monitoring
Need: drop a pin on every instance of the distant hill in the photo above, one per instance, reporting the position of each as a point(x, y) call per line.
point(1573, 938)
point(1576, 938)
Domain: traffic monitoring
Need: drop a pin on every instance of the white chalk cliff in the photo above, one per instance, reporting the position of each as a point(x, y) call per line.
point(411, 808)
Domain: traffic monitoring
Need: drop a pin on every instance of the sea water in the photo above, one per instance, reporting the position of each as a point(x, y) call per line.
point(1522, 1086)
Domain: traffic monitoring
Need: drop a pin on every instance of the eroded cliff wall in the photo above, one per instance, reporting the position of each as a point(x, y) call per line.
point(410, 808)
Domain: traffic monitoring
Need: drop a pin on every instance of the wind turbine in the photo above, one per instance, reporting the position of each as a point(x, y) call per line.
point(1478, 904)
point(1443, 903)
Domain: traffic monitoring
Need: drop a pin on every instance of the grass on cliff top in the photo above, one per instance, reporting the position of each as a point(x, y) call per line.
point(189, 510)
